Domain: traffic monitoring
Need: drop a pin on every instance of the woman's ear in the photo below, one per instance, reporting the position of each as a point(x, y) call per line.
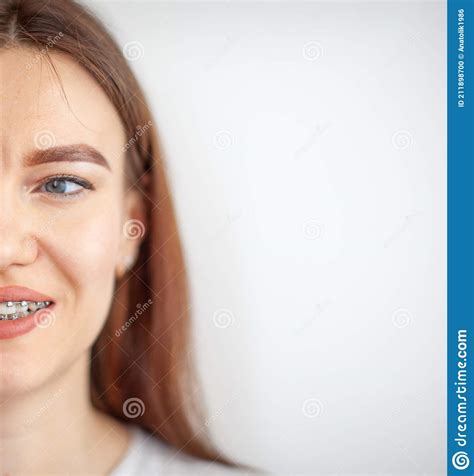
point(133, 231)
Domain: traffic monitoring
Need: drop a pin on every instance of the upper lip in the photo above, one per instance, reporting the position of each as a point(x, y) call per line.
point(20, 293)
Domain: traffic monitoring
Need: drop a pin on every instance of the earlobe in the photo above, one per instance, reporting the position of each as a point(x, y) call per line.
point(128, 262)
point(133, 231)
point(135, 211)
point(126, 265)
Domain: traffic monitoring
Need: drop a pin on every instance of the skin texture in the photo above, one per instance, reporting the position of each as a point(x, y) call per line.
point(70, 249)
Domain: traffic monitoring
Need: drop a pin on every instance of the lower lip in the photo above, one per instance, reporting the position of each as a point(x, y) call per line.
point(22, 325)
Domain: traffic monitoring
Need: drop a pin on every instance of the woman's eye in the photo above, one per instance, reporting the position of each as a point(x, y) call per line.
point(64, 186)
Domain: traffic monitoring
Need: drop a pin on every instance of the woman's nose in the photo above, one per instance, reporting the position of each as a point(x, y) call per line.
point(18, 245)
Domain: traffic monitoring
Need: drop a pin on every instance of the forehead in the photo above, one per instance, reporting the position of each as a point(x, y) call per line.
point(36, 106)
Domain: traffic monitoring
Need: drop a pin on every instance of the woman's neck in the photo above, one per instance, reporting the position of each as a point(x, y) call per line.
point(55, 429)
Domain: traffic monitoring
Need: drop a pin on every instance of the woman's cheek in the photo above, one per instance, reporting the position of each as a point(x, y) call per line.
point(76, 263)
point(88, 250)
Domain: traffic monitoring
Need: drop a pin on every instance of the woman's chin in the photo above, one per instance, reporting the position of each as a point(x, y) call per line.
point(24, 372)
point(17, 375)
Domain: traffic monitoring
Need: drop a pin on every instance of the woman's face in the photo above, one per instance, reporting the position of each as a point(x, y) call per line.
point(61, 238)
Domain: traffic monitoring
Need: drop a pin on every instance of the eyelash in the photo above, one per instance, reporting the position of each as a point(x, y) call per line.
point(68, 178)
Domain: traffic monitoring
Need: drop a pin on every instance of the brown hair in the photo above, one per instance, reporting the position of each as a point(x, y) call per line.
point(150, 360)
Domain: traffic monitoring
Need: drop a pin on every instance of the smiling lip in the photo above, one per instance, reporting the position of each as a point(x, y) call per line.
point(20, 293)
point(10, 329)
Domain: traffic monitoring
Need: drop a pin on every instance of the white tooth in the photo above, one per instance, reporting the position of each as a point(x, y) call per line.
point(15, 309)
point(7, 308)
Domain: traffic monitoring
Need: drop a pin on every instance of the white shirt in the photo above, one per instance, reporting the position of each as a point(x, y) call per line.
point(146, 455)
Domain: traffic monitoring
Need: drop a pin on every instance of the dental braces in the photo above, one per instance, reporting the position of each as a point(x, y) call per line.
point(20, 309)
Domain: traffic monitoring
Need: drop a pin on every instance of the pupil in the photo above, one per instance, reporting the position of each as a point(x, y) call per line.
point(56, 186)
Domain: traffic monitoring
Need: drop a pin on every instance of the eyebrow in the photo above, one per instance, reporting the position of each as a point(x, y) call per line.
point(67, 153)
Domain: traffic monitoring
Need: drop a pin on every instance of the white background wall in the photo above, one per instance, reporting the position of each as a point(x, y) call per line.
point(306, 144)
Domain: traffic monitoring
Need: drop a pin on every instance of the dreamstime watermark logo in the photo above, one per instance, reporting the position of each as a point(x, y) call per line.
point(44, 140)
point(141, 308)
point(312, 230)
point(133, 51)
point(133, 407)
point(226, 222)
point(44, 408)
point(50, 220)
point(401, 318)
point(139, 132)
point(50, 44)
point(460, 460)
point(399, 52)
point(218, 413)
point(312, 50)
point(312, 408)
point(318, 131)
point(223, 49)
point(223, 139)
point(407, 221)
point(401, 139)
point(223, 318)
point(43, 228)
point(44, 318)
point(320, 308)
point(133, 229)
